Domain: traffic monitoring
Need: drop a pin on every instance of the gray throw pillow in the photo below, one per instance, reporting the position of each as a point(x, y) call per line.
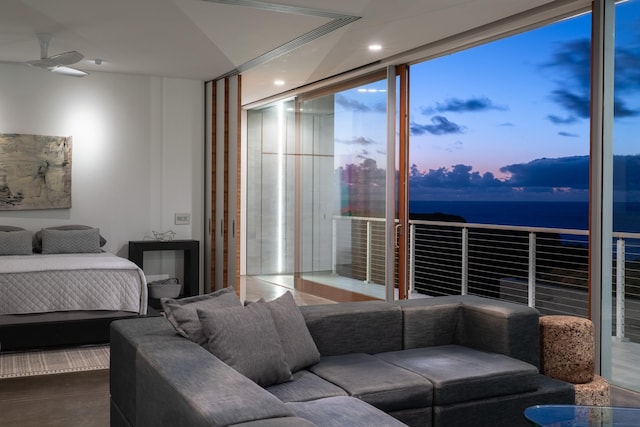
point(70, 241)
point(246, 339)
point(182, 314)
point(299, 348)
point(15, 242)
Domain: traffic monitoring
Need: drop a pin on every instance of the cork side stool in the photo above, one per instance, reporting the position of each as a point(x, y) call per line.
point(568, 346)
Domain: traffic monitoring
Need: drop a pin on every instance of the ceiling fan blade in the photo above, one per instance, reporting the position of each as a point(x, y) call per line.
point(66, 58)
point(68, 71)
point(42, 63)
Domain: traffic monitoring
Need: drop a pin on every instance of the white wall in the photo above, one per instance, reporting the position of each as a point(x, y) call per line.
point(138, 150)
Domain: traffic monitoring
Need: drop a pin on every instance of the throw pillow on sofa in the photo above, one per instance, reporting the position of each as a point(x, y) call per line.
point(299, 348)
point(182, 314)
point(246, 339)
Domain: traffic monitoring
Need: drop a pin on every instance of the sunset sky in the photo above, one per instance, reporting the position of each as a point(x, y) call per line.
point(517, 108)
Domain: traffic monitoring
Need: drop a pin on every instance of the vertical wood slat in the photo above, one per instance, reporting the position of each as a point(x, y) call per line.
point(229, 228)
point(213, 222)
point(238, 230)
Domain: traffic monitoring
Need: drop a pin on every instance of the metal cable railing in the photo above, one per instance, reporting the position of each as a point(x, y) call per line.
point(546, 268)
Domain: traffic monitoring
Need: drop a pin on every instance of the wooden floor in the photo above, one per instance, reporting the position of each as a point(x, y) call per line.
point(82, 399)
point(64, 400)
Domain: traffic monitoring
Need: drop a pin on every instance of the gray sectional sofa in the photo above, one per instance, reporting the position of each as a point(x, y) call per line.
point(445, 361)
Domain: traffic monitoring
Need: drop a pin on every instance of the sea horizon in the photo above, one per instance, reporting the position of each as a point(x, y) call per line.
point(547, 214)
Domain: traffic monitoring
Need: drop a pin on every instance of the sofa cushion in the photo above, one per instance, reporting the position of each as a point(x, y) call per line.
point(299, 349)
point(342, 411)
point(381, 384)
point(305, 386)
point(182, 314)
point(430, 321)
point(277, 422)
point(507, 410)
point(247, 340)
point(354, 327)
point(461, 374)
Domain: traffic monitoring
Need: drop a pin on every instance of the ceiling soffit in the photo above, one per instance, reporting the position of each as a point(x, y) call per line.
point(336, 21)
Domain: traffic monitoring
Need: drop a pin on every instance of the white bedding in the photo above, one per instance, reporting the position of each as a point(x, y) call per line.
point(68, 282)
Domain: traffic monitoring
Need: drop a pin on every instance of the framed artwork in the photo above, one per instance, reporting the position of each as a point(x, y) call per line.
point(35, 172)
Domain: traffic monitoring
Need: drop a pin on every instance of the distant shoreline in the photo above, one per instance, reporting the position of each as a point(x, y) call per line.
point(566, 215)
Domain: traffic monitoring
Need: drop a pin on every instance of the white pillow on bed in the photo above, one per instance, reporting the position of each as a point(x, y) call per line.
point(16, 242)
point(70, 241)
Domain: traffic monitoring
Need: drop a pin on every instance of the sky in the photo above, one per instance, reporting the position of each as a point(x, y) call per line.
point(508, 119)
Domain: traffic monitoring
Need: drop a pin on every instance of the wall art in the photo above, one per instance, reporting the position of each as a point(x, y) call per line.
point(35, 172)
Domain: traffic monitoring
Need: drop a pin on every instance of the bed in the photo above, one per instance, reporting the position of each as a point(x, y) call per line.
point(65, 282)
point(65, 297)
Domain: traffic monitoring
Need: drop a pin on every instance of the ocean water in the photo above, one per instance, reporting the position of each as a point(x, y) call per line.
point(568, 215)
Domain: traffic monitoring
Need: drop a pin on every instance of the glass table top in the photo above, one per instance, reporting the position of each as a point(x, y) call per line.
point(583, 416)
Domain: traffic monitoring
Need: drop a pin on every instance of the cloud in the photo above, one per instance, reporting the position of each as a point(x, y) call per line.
point(572, 59)
point(457, 177)
point(577, 104)
point(455, 105)
point(570, 172)
point(572, 63)
point(364, 154)
point(621, 110)
point(360, 107)
point(380, 107)
point(557, 179)
point(570, 135)
point(440, 126)
point(556, 120)
point(356, 140)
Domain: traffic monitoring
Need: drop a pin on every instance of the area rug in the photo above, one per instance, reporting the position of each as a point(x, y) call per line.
point(56, 361)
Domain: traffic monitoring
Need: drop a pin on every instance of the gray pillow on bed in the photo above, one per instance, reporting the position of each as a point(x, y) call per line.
point(10, 228)
point(37, 237)
point(70, 241)
point(15, 242)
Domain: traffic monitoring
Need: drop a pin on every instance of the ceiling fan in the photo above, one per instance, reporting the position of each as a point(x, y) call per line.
point(57, 63)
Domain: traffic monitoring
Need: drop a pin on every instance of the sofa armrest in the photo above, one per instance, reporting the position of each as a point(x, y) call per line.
point(126, 336)
point(184, 384)
point(500, 327)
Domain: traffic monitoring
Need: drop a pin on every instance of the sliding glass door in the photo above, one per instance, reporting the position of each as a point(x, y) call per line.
point(625, 309)
point(316, 191)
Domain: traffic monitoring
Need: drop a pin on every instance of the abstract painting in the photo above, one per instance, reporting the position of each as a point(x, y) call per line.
point(35, 172)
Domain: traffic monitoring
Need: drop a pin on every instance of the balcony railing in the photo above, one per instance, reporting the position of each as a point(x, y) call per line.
point(545, 268)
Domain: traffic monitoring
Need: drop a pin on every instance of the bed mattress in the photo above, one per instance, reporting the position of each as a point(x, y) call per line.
point(69, 282)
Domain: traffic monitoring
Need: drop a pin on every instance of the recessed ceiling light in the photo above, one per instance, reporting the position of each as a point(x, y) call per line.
point(278, 82)
point(375, 47)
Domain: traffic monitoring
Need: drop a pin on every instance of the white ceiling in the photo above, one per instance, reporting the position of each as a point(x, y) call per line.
point(202, 40)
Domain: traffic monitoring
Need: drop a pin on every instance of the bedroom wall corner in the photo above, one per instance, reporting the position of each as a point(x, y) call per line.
point(137, 149)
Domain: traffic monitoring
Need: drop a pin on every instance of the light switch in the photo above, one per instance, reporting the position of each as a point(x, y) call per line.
point(183, 219)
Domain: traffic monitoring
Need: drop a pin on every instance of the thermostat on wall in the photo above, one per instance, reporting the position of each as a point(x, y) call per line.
point(183, 219)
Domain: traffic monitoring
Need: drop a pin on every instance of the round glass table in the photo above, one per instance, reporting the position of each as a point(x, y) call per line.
point(582, 416)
